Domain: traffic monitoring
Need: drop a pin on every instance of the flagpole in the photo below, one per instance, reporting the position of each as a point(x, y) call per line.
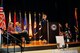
point(76, 23)
point(9, 17)
point(39, 26)
point(35, 32)
point(14, 19)
point(34, 26)
point(26, 19)
point(76, 17)
point(30, 26)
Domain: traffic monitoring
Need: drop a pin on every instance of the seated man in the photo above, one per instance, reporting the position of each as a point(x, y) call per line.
point(18, 31)
point(21, 34)
point(13, 35)
point(11, 31)
point(18, 27)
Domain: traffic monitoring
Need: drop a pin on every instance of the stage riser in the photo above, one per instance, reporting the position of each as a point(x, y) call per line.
point(52, 50)
point(39, 47)
point(12, 49)
point(30, 48)
point(35, 48)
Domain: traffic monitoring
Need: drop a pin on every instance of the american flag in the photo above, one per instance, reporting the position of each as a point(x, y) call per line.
point(2, 19)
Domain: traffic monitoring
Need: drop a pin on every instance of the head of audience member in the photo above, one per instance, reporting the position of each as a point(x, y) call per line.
point(17, 24)
point(10, 24)
point(44, 16)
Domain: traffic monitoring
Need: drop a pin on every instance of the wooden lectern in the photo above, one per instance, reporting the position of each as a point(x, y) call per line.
point(53, 31)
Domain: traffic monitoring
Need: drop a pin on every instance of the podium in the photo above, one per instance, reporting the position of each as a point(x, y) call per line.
point(53, 31)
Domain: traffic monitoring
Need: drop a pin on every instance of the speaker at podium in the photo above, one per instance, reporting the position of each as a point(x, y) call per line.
point(53, 31)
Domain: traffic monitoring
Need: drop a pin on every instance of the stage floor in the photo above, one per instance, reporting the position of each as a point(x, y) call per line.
point(36, 45)
point(32, 44)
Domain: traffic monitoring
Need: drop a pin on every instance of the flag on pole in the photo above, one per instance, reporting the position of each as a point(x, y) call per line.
point(9, 17)
point(76, 13)
point(40, 22)
point(2, 19)
point(76, 17)
point(20, 19)
point(14, 19)
point(35, 25)
point(76, 27)
point(40, 36)
point(25, 22)
point(30, 26)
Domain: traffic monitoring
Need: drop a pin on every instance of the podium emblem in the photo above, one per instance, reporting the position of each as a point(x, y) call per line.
point(53, 27)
